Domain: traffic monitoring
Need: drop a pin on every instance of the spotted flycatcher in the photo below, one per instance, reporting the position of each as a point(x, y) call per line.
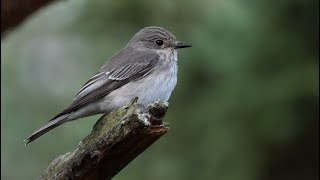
point(145, 68)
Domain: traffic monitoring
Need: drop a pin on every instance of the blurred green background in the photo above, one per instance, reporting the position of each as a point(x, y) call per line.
point(245, 106)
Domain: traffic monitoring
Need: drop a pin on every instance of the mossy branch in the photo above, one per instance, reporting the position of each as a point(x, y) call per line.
point(116, 139)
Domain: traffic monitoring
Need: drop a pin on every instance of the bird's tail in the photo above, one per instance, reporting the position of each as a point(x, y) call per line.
point(46, 128)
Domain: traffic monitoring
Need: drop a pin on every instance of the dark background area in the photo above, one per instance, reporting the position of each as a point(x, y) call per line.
point(245, 106)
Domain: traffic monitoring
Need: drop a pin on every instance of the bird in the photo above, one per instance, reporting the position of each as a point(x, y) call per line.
point(145, 68)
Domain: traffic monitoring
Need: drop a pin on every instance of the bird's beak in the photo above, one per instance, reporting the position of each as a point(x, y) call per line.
point(182, 45)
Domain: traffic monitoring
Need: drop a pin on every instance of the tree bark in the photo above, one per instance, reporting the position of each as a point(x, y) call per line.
point(13, 12)
point(116, 139)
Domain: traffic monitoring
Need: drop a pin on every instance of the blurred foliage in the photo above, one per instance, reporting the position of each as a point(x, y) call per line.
point(246, 103)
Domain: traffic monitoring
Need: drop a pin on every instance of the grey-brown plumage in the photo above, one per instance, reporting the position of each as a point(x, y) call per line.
point(146, 67)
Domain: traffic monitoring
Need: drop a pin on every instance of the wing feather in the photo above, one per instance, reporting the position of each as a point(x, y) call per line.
point(113, 75)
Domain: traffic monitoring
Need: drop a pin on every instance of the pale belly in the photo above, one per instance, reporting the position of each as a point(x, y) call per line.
point(157, 85)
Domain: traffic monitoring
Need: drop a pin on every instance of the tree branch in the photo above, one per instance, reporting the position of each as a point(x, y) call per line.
point(14, 12)
point(116, 139)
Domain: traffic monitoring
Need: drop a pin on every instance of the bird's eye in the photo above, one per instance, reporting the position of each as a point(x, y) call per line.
point(159, 42)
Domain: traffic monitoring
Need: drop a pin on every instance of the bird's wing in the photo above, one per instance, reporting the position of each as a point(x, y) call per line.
point(114, 74)
point(119, 75)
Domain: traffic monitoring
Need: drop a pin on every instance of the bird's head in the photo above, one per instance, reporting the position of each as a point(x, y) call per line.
point(156, 38)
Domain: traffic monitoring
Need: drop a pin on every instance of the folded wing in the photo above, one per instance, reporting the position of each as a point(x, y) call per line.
point(111, 77)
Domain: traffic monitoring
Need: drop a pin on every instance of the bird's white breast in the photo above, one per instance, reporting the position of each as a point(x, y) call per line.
point(159, 84)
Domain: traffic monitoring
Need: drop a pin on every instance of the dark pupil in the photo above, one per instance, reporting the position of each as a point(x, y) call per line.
point(159, 42)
